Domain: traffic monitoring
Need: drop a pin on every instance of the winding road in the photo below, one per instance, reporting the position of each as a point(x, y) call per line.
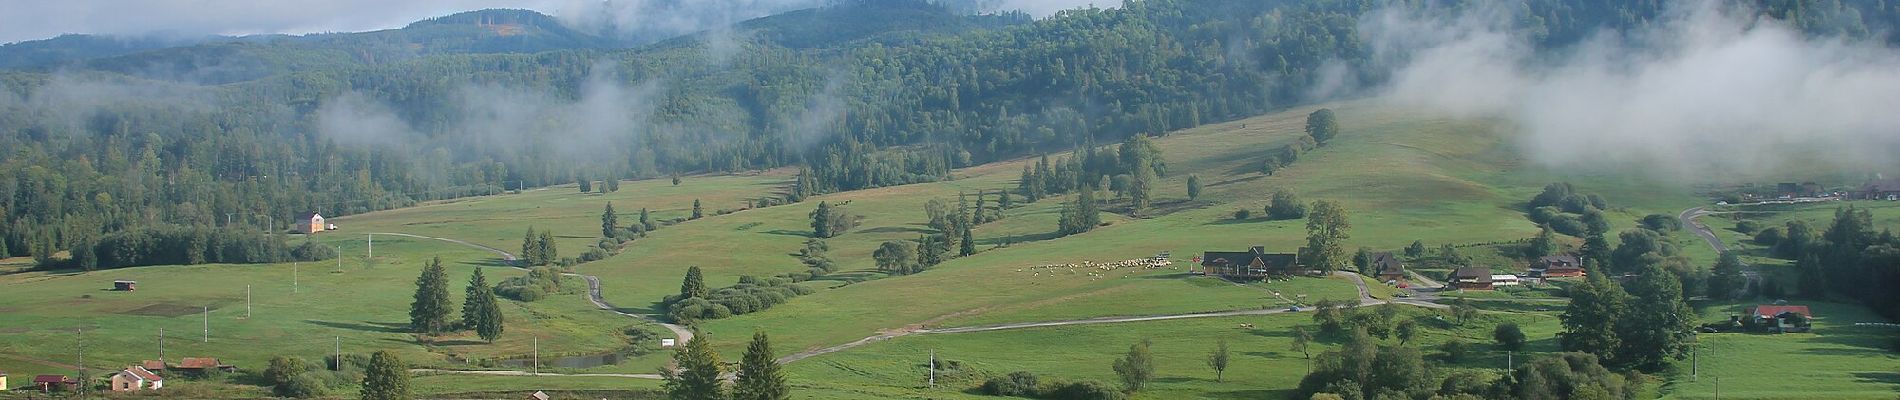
point(1689, 219)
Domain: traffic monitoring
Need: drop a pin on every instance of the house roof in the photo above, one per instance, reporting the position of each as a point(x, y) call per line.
point(50, 379)
point(1769, 310)
point(141, 373)
point(1477, 274)
point(198, 363)
point(1387, 263)
point(306, 216)
point(124, 281)
point(152, 365)
point(538, 395)
point(1561, 261)
point(1257, 253)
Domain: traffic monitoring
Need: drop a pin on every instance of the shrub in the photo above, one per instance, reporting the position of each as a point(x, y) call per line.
point(1748, 226)
point(1454, 350)
point(1019, 383)
point(1243, 214)
point(1569, 225)
point(1768, 237)
point(1086, 390)
point(305, 385)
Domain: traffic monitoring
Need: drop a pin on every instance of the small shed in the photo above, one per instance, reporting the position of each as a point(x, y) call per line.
point(153, 365)
point(202, 365)
point(538, 395)
point(125, 286)
point(3, 381)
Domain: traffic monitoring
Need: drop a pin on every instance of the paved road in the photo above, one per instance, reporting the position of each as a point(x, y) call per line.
point(526, 373)
point(1689, 219)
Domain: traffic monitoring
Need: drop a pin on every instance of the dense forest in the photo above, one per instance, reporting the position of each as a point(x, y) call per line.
point(244, 133)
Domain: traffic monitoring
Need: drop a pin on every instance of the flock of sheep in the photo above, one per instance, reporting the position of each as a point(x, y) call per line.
point(1096, 270)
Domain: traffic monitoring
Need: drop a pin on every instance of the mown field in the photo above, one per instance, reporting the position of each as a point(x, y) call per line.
point(1402, 176)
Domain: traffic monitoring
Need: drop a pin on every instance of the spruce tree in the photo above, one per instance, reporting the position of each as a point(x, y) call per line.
point(430, 311)
point(645, 220)
point(490, 323)
point(967, 244)
point(694, 285)
point(1543, 245)
point(545, 246)
point(696, 375)
point(609, 222)
point(471, 310)
point(1194, 187)
point(697, 212)
point(821, 221)
point(530, 248)
point(759, 374)
point(386, 378)
point(587, 185)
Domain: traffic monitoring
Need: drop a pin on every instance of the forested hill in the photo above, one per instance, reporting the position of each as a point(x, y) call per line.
point(218, 60)
point(867, 93)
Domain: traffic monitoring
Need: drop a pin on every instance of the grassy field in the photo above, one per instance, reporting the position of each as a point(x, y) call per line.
point(1403, 177)
point(1837, 359)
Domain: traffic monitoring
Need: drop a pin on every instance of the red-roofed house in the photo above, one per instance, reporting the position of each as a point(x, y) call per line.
point(48, 383)
point(199, 366)
point(153, 365)
point(136, 378)
point(1781, 318)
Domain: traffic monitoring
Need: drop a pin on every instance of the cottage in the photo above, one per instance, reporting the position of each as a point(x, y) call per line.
point(1557, 266)
point(308, 223)
point(1781, 318)
point(153, 365)
point(136, 378)
point(125, 286)
point(1504, 280)
point(48, 383)
point(1255, 263)
point(1388, 266)
point(1879, 189)
point(1475, 278)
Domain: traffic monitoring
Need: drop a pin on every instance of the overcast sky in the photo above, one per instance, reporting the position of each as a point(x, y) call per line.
point(34, 19)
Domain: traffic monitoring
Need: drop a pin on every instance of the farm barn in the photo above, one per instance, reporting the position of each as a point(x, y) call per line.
point(308, 223)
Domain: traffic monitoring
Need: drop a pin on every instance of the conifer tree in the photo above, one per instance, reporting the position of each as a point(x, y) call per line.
point(531, 248)
point(759, 375)
point(645, 220)
point(967, 244)
point(1543, 245)
point(1194, 187)
point(471, 310)
point(697, 372)
point(821, 221)
point(480, 310)
point(697, 212)
point(430, 311)
point(587, 185)
point(386, 378)
point(545, 246)
point(609, 222)
point(694, 285)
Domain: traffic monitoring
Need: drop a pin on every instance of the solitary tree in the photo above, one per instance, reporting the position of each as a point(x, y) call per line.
point(1218, 360)
point(386, 378)
point(1194, 187)
point(1725, 277)
point(821, 221)
point(1137, 367)
point(1406, 331)
point(967, 244)
point(645, 220)
point(759, 377)
point(696, 375)
point(1416, 250)
point(1301, 339)
point(1326, 233)
point(609, 222)
point(893, 257)
point(1509, 336)
point(531, 248)
point(430, 311)
point(1322, 125)
point(697, 212)
point(694, 285)
point(471, 311)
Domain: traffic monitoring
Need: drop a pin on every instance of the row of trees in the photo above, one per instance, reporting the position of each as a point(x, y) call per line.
point(181, 245)
point(1849, 258)
point(696, 301)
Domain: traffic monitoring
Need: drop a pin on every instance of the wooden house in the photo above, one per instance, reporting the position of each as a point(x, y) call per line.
point(125, 286)
point(1388, 267)
point(308, 223)
point(1255, 263)
point(1475, 278)
point(1557, 266)
point(136, 378)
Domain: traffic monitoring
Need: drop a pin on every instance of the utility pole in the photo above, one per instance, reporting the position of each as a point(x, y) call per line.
point(161, 346)
point(933, 368)
point(83, 373)
point(1510, 362)
point(1694, 356)
point(247, 301)
point(537, 355)
point(372, 245)
point(293, 277)
point(207, 324)
point(339, 353)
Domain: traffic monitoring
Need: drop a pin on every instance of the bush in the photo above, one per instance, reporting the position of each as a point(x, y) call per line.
point(1243, 214)
point(1748, 226)
point(1019, 383)
point(1086, 390)
point(1569, 225)
point(536, 285)
point(1661, 223)
point(1454, 350)
point(1768, 237)
point(1543, 215)
point(305, 385)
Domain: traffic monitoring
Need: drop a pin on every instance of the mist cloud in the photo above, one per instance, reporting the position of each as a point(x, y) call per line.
point(1706, 89)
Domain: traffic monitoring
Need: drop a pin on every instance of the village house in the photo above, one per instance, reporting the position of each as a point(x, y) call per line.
point(1504, 280)
point(1558, 266)
point(1388, 267)
point(308, 223)
point(154, 366)
point(1780, 318)
point(1475, 278)
point(136, 378)
point(48, 383)
point(1255, 263)
point(1879, 189)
